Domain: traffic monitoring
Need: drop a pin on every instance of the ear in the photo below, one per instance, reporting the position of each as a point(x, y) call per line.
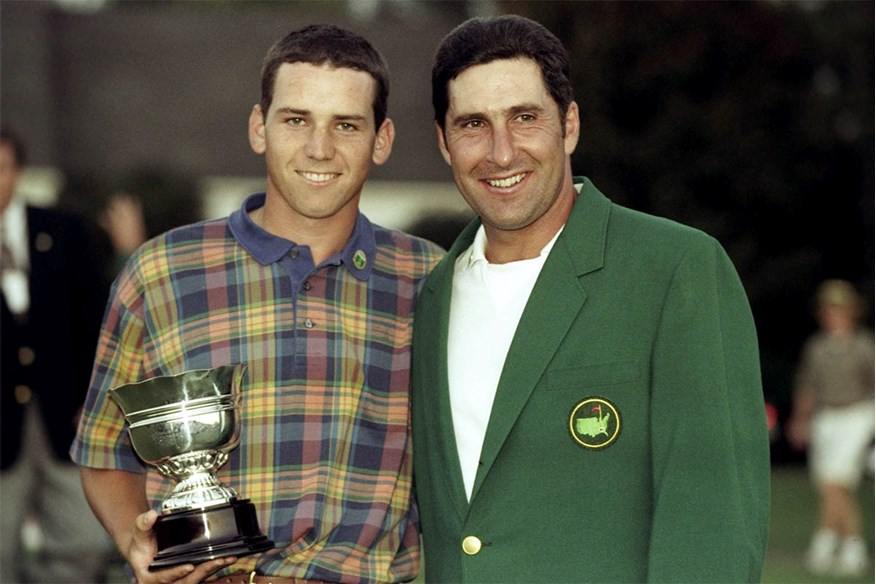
point(442, 144)
point(257, 130)
point(573, 128)
point(383, 142)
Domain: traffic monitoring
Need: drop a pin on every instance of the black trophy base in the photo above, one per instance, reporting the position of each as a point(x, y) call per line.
point(199, 535)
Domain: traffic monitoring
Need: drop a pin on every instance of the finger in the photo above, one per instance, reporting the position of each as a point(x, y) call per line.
point(202, 571)
point(185, 573)
point(146, 520)
point(176, 574)
point(142, 548)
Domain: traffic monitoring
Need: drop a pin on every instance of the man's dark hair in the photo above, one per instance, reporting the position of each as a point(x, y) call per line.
point(7, 136)
point(482, 40)
point(319, 44)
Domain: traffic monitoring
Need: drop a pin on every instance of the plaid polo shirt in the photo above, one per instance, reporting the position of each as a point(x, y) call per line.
point(325, 451)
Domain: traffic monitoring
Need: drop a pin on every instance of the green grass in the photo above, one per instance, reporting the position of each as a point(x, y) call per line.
point(792, 521)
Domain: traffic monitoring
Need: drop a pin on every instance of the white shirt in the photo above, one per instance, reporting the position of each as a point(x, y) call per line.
point(14, 234)
point(486, 305)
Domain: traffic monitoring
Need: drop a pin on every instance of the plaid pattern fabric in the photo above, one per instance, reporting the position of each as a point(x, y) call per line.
point(325, 443)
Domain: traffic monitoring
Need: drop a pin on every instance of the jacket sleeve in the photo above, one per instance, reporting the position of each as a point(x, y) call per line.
point(710, 451)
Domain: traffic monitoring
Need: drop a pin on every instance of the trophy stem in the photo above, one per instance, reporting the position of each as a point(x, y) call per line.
point(199, 490)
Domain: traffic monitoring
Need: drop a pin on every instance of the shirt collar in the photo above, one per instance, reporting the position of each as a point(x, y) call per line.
point(357, 255)
point(14, 229)
point(477, 251)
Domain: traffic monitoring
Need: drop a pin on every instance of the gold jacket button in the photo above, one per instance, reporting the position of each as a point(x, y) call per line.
point(26, 356)
point(23, 394)
point(471, 545)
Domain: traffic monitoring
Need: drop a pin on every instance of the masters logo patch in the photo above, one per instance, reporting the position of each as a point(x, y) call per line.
point(594, 423)
point(359, 259)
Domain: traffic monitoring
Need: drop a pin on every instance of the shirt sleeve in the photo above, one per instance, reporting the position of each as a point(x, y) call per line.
point(710, 451)
point(101, 438)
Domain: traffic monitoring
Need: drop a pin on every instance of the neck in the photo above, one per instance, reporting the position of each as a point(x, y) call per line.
point(841, 332)
point(504, 246)
point(503, 249)
point(325, 237)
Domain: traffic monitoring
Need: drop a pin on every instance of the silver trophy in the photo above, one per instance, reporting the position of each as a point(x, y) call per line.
point(185, 425)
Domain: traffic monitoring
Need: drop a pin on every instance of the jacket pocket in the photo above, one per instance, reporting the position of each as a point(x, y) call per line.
point(592, 375)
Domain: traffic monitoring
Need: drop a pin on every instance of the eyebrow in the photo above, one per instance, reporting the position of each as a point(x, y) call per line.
point(465, 118)
point(511, 112)
point(304, 112)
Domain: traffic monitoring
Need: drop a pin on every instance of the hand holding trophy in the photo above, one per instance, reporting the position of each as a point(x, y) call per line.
point(185, 425)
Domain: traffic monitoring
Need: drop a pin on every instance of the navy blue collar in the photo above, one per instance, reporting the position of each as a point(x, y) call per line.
point(357, 255)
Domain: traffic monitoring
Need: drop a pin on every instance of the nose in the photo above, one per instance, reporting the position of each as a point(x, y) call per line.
point(502, 151)
point(320, 145)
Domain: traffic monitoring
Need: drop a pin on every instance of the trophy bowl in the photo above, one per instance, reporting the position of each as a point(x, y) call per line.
point(185, 425)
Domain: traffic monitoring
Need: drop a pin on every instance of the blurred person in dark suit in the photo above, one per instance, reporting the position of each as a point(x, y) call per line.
point(53, 295)
point(833, 418)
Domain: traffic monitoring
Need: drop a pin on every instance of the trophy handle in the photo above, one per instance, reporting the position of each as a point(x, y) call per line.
point(237, 380)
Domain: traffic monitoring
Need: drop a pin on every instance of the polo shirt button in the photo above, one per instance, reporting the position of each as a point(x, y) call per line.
point(308, 323)
point(307, 285)
point(471, 545)
point(293, 253)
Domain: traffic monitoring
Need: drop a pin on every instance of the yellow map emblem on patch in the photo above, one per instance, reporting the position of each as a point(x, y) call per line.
point(594, 423)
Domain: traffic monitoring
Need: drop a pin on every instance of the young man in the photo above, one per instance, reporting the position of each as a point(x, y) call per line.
point(586, 401)
point(317, 302)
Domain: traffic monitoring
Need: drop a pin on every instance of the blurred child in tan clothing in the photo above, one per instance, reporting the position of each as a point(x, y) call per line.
point(833, 416)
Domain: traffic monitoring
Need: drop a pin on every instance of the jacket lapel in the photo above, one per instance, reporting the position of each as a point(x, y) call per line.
point(437, 318)
point(555, 302)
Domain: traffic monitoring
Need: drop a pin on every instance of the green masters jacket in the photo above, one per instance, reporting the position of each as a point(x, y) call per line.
point(627, 440)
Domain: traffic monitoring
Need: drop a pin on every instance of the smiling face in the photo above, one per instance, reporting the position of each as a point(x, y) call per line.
point(319, 142)
point(505, 140)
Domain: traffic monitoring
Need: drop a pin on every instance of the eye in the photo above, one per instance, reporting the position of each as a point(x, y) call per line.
point(526, 117)
point(473, 124)
point(295, 121)
point(347, 127)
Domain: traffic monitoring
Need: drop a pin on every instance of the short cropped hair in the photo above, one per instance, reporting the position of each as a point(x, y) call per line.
point(479, 41)
point(319, 44)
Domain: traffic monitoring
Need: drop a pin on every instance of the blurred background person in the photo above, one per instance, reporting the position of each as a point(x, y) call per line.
point(53, 295)
point(833, 418)
point(124, 223)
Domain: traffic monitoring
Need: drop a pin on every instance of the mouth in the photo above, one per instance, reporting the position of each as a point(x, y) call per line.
point(507, 182)
point(318, 177)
